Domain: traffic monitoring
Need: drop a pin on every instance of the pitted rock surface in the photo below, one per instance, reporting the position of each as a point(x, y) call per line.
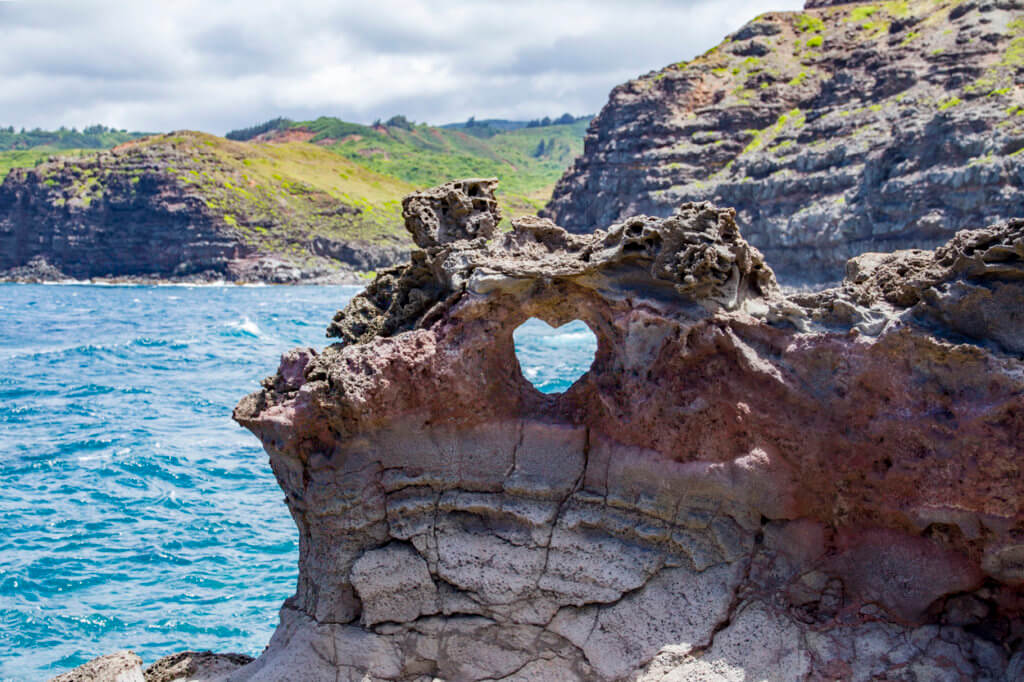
point(743, 486)
point(840, 130)
point(195, 666)
point(120, 666)
point(464, 209)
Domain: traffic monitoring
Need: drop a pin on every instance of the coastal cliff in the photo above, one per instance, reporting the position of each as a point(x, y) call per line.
point(833, 132)
point(744, 485)
point(281, 202)
point(194, 207)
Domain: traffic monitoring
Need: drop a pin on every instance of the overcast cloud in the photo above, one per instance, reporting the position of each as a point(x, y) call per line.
point(215, 66)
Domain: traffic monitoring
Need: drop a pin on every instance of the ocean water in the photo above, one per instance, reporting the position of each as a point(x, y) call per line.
point(134, 513)
point(553, 358)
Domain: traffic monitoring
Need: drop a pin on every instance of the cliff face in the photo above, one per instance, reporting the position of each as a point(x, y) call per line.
point(183, 206)
point(743, 486)
point(149, 226)
point(833, 132)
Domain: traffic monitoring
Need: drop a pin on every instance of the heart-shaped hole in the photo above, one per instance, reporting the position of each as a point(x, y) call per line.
point(553, 359)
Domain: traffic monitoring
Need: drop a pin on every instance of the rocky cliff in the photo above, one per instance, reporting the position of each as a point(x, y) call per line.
point(743, 486)
point(834, 131)
point(190, 206)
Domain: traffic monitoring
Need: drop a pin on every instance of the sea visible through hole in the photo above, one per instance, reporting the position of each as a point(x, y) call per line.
point(134, 513)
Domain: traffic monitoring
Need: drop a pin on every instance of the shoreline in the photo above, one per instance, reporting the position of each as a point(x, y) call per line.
point(357, 280)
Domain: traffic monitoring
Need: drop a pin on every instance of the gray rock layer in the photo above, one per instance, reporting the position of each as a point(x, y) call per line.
point(743, 486)
point(832, 132)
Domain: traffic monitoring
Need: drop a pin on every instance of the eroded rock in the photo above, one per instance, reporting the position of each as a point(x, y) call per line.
point(847, 128)
point(120, 666)
point(464, 209)
point(743, 486)
point(195, 666)
point(394, 584)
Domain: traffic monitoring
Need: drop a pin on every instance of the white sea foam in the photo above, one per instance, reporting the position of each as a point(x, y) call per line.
point(246, 325)
point(573, 337)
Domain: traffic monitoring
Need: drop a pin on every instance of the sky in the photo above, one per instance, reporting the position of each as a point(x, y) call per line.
point(217, 66)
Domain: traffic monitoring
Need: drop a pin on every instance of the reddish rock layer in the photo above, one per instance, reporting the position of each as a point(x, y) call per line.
point(834, 477)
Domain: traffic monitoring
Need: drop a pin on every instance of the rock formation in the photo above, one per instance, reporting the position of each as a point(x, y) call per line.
point(120, 666)
point(744, 485)
point(186, 666)
point(178, 207)
point(833, 132)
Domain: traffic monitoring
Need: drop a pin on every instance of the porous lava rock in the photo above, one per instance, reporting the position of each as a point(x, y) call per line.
point(744, 485)
point(120, 666)
point(839, 130)
point(463, 209)
point(195, 666)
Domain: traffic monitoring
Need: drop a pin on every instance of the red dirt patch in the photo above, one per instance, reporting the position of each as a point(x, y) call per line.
point(282, 136)
point(373, 151)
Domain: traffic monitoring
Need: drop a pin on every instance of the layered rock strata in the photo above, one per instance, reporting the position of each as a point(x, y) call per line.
point(833, 132)
point(180, 207)
point(743, 486)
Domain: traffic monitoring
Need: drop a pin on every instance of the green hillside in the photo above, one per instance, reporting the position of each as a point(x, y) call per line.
point(528, 160)
point(27, 148)
point(26, 158)
point(279, 196)
point(294, 189)
point(93, 137)
point(528, 157)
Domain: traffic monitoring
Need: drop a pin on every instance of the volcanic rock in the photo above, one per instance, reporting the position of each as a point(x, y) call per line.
point(744, 485)
point(120, 666)
point(464, 209)
point(195, 666)
point(833, 132)
point(178, 207)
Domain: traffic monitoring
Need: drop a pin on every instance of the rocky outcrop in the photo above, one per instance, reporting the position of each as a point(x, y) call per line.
point(142, 223)
point(187, 666)
point(120, 666)
point(195, 666)
point(743, 486)
point(179, 207)
point(833, 132)
point(463, 209)
point(818, 4)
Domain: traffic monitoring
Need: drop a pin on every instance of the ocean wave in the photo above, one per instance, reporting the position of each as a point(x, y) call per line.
point(245, 326)
point(125, 478)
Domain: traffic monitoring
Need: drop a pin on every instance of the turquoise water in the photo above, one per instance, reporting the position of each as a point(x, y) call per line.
point(134, 513)
point(552, 359)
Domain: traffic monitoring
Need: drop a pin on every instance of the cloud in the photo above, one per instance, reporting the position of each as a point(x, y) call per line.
point(217, 66)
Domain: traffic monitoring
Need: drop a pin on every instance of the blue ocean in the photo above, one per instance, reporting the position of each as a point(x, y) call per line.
point(134, 513)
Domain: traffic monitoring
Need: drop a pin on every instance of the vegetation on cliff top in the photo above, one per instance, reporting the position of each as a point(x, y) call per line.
point(279, 197)
point(528, 157)
point(787, 59)
point(27, 148)
point(853, 127)
point(92, 137)
point(293, 182)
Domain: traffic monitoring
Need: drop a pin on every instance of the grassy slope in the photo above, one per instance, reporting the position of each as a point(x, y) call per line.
point(279, 196)
point(347, 182)
point(27, 149)
point(385, 163)
point(426, 156)
point(26, 158)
